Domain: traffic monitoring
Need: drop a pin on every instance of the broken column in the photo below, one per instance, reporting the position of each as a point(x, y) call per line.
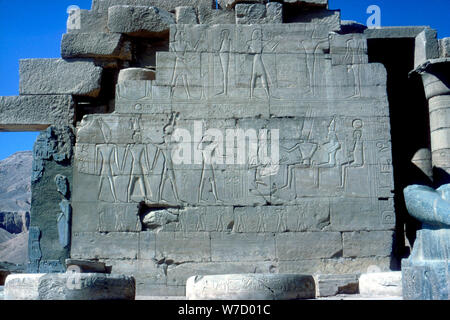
point(426, 271)
point(69, 286)
point(435, 72)
point(251, 287)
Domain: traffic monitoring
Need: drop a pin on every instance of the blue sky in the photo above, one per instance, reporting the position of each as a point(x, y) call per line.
point(33, 29)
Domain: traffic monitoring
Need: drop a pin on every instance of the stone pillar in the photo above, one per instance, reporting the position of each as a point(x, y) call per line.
point(436, 80)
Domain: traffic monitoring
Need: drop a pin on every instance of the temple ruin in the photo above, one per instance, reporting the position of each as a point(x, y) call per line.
point(261, 137)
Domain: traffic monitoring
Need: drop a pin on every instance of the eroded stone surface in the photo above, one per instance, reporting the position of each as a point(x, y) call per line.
point(58, 76)
point(95, 45)
point(139, 20)
point(332, 284)
point(250, 287)
point(310, 209)
point(381, 284)
point(35, 112)
point(67, 286)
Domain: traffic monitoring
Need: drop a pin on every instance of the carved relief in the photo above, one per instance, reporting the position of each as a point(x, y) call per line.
point(255, 47)
point(355, 155)
point(165, 151)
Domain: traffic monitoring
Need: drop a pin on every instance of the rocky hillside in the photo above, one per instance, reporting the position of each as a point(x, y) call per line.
point(15, 182)
point(15, 199)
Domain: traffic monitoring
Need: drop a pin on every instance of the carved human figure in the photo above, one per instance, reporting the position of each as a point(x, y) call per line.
point(65, 216)
point(355, 156)
point(105, 157)
point(139, 161)
point(34, 250)
point(181, 69)
point(306, 149)
point(224, 56)
point(255, 47)
point(209, 148)
point(311, 47)
point(331, 146)
point(63, 222)
point(164, 149)
point(353, 56)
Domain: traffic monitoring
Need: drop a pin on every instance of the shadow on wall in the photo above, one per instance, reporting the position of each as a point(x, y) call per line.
point(410, 131)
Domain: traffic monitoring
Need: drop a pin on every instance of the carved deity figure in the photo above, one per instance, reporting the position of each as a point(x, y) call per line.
point(355, 50)
point(209, 148)
point(106, 156)
point(332, 146)
point(311, 47)
point(224, 55)
point(355, 156)
point(139, 164)
point(164, 149)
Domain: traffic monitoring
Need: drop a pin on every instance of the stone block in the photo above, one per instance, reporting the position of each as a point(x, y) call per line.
point(328, 285)
point(335, 265)
point(350, 26)
point(146, 290)
point(147, 245)
point(320, 3)
point(242, 246)
point(186, 15)
point(102, 6)
point(250, 287)
point(393, 32)
point(140, 21)
point(178, 274)
point(85, 266)
point(206, 15)
point(259, 13)
point(136, 74)
point(92, 245)
point(348, 49)
point(90, 22)
point(58, 76)
point(444, 47)
point(35, 113)
point(118, 217)
point(95, 45)
point(67, 286)
point(368, 243)
point(230, 4)
point(308, 245)
point(381, 284)
point(183, 246)
point(274, 12)
point(425, 279)
point(362, 214)
point(427, 47)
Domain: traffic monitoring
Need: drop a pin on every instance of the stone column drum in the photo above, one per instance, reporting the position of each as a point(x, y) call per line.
point(435, 76)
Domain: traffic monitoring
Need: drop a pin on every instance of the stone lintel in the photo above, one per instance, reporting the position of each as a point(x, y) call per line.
point(35, 113)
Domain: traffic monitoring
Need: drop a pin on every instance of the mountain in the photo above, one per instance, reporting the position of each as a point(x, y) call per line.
point(15, 182)
point(15, 200)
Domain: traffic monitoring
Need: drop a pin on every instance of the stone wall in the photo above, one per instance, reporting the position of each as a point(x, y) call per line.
point(155, 190)
point(324, 206)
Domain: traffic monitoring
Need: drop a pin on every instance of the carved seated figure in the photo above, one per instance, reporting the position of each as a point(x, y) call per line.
point(426, 273)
